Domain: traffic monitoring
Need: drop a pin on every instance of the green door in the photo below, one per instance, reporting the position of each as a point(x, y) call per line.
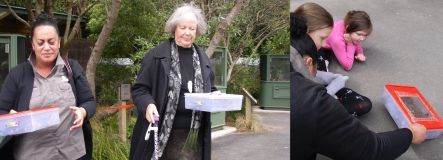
point(4, 58)
point(219, 64)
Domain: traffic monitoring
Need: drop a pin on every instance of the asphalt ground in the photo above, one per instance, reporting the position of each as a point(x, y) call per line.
point(271, 143)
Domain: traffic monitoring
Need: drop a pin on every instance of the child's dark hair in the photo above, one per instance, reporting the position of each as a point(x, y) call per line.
point(300, 38)
point(358, 21)
point(44, 20)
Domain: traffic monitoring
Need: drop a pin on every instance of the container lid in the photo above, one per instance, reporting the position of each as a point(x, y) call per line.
point(213, 96)
point(29, 111)
point(414, 106)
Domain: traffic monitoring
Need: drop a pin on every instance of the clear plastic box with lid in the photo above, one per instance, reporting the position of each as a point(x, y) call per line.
point(29, 121)
point(213, 102)
point(407, 105)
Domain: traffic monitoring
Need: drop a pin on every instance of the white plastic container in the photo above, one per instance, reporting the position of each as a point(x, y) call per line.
point(210, 102)
point(406, 105)
point(29, 121)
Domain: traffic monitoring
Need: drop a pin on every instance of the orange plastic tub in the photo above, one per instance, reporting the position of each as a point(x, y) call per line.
point(407, 105)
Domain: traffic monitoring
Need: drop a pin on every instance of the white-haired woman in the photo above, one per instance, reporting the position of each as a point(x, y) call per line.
point(159, 91)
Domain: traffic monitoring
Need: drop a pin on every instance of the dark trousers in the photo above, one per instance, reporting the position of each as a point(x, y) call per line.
point(174, 149)
point(355, 103)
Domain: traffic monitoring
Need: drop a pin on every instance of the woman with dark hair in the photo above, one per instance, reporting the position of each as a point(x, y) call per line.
point(46, 79)
point(168, 71)
point(320, 123)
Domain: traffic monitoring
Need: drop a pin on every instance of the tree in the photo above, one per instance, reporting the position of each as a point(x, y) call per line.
point(246, 31)
point(81, 6)
point(223, 25)
point(100, 44)
point(69, 34)
point(137, 19)
point(253, 27)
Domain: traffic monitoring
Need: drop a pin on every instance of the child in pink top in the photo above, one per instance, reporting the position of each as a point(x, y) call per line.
point(346, 36)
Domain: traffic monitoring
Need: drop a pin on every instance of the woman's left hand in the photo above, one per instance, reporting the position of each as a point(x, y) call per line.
point(79, 114)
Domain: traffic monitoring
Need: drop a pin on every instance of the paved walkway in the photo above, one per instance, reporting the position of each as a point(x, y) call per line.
point(270, 144)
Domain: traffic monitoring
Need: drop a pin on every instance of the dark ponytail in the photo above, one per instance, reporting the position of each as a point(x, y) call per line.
point(298, 26)
point(300, 38)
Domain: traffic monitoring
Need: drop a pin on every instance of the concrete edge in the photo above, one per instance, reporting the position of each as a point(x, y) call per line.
point(258, 110)
point(225, 131)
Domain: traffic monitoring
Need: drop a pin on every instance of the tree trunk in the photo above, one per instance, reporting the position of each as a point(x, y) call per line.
point(260, 42)
point(70, 34)
point(49, 7)
point(219, 34)
point(231, 63)
point(97, 51)
point(16, 16)
point(31, 17)
point(229, 74)
point(64, 50)
point(38, 7)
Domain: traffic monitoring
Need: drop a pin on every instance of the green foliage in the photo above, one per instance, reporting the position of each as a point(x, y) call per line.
point(136, 19)
point(247, 77)
point(58, 6)
point(277, 44)
point(144, 46)
point(107, 143)
point(259, 21)
point(108, 78)
point(139, 27)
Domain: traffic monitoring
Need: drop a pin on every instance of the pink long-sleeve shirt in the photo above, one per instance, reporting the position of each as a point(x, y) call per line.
point(343, 52)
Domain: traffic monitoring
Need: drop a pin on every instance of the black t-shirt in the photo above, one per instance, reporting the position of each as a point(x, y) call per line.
point(183, 116)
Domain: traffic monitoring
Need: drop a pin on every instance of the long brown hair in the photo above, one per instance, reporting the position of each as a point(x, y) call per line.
point(358, 21)
point(315, 16)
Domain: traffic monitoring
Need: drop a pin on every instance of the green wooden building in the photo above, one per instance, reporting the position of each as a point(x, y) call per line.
point(219, 63)
point(12, 52)
point(274, 75)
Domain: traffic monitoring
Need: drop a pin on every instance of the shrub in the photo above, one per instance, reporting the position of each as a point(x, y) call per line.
point(243, 77)
point(107, 143)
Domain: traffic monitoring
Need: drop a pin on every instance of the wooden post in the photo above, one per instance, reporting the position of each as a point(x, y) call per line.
point(124, 95)
point(122, 122)
point(248, 106)
point(248, 111)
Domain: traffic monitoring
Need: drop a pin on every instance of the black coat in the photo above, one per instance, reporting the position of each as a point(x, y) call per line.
point(320, 124)
point(151, 86)
point(16, 94)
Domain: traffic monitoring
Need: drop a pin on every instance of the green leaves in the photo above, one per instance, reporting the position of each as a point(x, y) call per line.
point(277, 44)
point(107, 143)
point(143, 46)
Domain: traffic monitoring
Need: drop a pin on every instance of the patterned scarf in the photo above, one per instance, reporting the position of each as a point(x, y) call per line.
point(175, 81)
